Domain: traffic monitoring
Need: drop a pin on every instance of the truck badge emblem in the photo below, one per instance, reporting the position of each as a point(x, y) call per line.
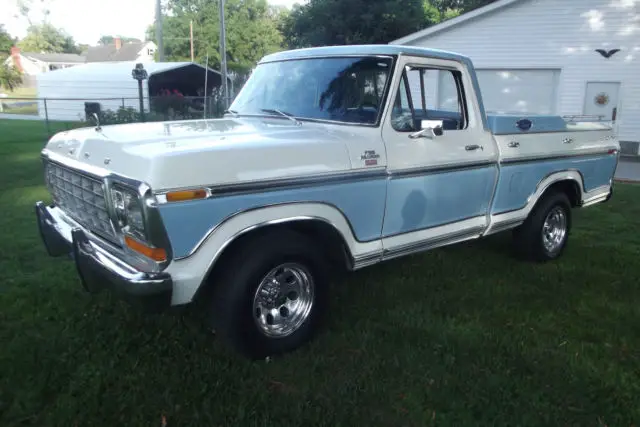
point(370, 158)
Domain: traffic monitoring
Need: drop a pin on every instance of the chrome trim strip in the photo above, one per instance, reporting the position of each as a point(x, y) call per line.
point(537, 158)
point(325, 179)
point(595, 200)
point(498, 227)
point(424, 245)
point(431, 170)
point(431, 227)
point(253, 227)
point(366, 260)
point(281, 183)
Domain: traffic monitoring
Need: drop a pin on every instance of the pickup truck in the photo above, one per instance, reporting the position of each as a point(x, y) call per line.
point(329, 160)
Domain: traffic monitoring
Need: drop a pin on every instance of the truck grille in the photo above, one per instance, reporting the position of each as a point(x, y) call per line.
point(81, 197)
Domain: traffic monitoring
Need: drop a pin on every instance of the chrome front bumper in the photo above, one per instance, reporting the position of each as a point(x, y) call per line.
point(97, 267)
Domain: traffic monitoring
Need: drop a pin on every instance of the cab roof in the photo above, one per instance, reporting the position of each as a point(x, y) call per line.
point(366, 50)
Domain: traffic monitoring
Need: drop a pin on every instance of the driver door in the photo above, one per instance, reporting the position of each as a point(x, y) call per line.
point(441, 179)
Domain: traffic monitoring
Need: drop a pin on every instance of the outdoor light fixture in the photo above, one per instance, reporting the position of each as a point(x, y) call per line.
point(140, 74)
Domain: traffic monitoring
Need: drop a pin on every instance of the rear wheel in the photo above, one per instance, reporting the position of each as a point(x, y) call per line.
point(271, 294)
point(545, 233)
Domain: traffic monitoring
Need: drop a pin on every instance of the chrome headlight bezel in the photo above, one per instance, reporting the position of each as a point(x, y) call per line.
point(154, 233)
point(128, 211)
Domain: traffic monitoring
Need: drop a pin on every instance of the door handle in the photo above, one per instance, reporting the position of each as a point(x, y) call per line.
point(514, 144)
point(567, 141)
point(474, 147)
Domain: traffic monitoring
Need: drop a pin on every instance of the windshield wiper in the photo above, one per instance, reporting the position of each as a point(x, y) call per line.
point(283, 114)
point(234, 112)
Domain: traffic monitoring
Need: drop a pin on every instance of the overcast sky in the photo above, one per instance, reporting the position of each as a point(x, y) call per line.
point(87, 20)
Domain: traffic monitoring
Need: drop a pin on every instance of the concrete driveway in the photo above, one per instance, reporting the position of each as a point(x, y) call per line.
point(628, 169)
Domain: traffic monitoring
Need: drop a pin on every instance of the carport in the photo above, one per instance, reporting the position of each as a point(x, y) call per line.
point(111, 85)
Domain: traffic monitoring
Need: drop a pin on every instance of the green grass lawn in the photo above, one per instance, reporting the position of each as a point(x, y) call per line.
point(460, 336)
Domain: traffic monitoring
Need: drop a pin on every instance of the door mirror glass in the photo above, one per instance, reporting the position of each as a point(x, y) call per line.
point(436, 125)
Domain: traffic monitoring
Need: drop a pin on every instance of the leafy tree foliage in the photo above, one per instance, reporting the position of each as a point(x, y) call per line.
point(107, 40)
point(47, 38)
point(252, 31)
point(6, 42)
point(340, 22)
point(10, 77)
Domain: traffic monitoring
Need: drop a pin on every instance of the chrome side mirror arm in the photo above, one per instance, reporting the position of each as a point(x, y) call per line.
point(428, 133)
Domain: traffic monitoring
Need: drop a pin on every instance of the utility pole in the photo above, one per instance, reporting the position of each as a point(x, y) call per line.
point(223, 56)
point(159, 31)
point(191, 37)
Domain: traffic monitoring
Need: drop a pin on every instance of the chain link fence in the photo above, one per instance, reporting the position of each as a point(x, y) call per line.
point(79, 112)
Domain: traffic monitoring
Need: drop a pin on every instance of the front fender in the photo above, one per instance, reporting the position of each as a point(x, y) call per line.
point(190, 272)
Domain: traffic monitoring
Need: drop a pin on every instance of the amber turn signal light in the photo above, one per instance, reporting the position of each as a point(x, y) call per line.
point(179, 196)
point(156, 254)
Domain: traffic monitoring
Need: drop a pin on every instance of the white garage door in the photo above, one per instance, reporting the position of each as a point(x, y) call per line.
point(519, 91)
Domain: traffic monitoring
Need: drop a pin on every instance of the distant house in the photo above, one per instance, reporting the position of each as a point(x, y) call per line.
point(119, 52)
point(32, 64)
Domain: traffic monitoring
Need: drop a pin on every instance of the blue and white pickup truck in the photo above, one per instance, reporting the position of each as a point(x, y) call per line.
point(328, 159)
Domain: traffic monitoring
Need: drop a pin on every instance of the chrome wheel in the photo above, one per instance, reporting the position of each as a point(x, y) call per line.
point(283, 300)
point(554, 229)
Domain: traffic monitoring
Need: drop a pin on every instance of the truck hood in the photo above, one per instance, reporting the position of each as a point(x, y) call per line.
point(169, 155)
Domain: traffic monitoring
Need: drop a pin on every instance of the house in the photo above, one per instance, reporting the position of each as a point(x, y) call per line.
point(562, 57)
point(33, 64)
point(119, 52)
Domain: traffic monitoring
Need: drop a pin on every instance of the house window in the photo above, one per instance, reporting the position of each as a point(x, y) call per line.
point(151, 51)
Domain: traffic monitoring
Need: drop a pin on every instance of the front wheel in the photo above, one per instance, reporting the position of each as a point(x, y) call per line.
point(544, 235)
point(271, 294)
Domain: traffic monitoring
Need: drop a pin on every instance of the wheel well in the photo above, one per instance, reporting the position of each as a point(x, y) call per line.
point(569, 187)
point(327, 236)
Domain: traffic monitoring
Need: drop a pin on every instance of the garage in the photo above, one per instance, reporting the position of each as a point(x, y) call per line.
point(577, 59)
point(519, 91)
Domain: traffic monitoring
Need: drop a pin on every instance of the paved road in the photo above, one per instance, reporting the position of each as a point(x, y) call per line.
point(628, 169)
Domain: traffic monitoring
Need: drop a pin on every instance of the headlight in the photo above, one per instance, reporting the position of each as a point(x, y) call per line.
point(128, 211)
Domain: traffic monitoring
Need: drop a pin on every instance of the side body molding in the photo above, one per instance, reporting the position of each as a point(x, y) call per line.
point(191, 272)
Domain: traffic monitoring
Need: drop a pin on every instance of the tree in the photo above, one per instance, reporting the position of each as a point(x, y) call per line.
point(107, 40)
point(340, 22)
point(252, 31)
point(47, 38)
point(6, 41)
point(10, 77)
point(447, 9)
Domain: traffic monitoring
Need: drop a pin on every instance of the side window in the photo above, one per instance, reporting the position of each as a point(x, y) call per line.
point(402, 114)
point(430, 94)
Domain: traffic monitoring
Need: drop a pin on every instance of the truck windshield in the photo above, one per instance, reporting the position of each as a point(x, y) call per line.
point(350, 90)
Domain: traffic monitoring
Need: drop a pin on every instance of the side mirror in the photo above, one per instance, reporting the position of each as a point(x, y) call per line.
point(429, 129)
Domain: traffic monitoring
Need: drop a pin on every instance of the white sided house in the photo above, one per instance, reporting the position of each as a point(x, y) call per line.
point(567, 57)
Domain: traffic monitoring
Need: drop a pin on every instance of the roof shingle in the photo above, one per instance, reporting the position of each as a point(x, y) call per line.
point(128, 52)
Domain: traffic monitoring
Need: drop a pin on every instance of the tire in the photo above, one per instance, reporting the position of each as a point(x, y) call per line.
point(241, 316)
point(530, 239)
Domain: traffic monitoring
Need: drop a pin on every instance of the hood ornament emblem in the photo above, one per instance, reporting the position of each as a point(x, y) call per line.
point(107, 161)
